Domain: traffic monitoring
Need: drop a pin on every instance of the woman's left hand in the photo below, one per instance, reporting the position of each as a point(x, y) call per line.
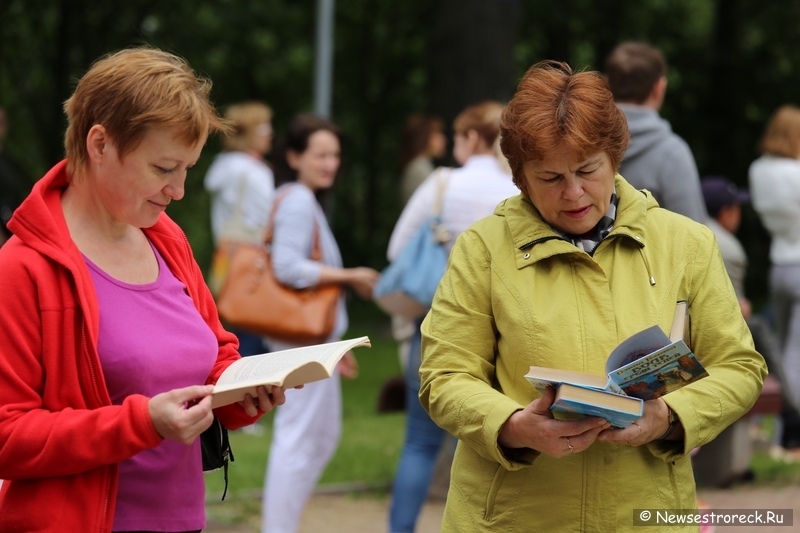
point(348, 366)
point(266, 400)
point(653, 423)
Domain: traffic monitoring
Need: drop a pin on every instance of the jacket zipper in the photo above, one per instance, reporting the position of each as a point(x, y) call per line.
point(100, 401)
point(542, 239)
point(105, 513)
point(189, 248)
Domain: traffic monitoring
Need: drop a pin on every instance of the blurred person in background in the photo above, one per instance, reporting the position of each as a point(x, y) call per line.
point(724, 206)
point(13, 186)
point(306, 434)
point(242, 185)
point(724, 201)
point(656, 159)
point(423, 142)
point(472, 192)
point(775, 189)
point(110, 341)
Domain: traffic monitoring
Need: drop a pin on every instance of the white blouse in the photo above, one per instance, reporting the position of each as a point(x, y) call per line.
point(237, 180)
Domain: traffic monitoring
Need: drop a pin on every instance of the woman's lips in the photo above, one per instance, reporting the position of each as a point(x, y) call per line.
point(578, 213)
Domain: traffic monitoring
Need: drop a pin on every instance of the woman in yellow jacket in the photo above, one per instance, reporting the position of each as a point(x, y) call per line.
point(557, 277)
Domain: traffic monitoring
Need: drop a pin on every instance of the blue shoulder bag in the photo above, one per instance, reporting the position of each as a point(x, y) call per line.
point(406, 287)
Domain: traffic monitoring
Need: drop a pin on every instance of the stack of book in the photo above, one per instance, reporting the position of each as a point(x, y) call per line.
point(647, 365)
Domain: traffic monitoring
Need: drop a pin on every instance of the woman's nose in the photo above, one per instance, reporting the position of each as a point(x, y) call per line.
point(572, 188)
point(175, 189)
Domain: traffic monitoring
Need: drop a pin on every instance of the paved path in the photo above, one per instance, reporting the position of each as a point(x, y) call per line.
point(334, 513)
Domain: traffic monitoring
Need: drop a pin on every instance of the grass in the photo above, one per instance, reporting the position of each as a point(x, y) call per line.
point(371, 442)
point(771, 472)
point(768, 470)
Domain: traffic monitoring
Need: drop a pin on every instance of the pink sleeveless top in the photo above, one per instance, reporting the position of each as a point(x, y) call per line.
point(152, 340)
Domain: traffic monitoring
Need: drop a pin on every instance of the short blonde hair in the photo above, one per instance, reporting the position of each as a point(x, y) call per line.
point(245, 119)
point(782, 135)
point(130, 91)
point(483, 117)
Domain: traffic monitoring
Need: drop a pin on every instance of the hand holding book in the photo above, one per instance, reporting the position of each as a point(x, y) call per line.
point(266, 398)
point(286, 369)
point(645, 366)
point(535, 428)
point(649, 427)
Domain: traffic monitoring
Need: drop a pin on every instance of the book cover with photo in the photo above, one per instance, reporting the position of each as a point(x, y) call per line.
point(647, 365)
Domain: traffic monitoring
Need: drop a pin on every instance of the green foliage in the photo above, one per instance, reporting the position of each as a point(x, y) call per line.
point(774, 472)
point(732, 63)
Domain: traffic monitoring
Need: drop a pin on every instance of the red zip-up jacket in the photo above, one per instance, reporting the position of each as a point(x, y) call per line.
point(60, 438)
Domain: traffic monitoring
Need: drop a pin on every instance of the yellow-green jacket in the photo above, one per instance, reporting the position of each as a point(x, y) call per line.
point(515, 294)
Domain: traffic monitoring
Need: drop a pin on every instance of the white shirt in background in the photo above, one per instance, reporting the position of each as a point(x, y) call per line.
point(473, 191)
point(775, 191)
point(224, 180)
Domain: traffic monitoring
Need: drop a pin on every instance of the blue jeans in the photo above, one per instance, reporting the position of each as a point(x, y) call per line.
point(418, 459)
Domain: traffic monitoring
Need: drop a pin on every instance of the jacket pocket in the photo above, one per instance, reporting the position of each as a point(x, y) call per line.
point(494, 488)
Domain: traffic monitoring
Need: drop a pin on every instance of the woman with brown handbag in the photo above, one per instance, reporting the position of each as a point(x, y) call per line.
point(242, 187)
point(306, 435)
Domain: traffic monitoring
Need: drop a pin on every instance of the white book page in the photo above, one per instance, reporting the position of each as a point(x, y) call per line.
point(680, 322)
point(273, 367)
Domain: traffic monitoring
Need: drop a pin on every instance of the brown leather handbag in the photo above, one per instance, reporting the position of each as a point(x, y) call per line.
point(252, 299)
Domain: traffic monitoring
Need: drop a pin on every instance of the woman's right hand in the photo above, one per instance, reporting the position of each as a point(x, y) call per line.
point(266, 400)
point(362, 280)
point(182, 414)
point(534, 427)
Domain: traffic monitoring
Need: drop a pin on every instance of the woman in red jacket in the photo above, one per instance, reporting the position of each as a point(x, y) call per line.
point(109, 338)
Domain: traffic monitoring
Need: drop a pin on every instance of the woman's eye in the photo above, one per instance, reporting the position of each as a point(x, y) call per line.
point(551, 179)
point(585, 171)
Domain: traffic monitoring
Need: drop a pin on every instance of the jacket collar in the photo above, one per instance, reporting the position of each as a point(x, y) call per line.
point(535, 240)
point(40, 224)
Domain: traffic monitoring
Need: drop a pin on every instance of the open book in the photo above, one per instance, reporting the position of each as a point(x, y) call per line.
point(287, 369)
point(644, 366)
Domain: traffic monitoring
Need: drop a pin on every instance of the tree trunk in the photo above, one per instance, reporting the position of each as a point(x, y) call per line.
point(471, 60)
point(472, 53)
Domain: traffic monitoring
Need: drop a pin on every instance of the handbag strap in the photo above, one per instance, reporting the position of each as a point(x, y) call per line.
point(443, 178)
point(269, 234)
point(440, 231)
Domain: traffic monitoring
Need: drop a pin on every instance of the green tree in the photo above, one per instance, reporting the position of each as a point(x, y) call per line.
point(732, 63)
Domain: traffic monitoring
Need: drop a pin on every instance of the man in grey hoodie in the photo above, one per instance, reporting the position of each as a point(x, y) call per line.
point(657, 159)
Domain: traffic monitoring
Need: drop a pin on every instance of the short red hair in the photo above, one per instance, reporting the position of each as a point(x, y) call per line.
point(132, 90)
point(553, 105)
